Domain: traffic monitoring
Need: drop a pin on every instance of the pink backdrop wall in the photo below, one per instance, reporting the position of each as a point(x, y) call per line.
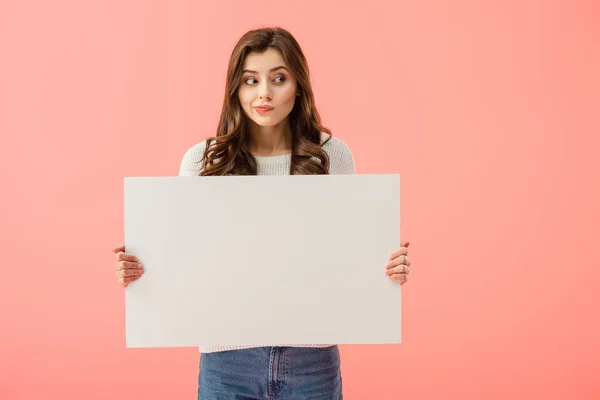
point(488, 110)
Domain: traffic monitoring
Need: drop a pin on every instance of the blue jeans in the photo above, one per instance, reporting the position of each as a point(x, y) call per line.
point(271, 373)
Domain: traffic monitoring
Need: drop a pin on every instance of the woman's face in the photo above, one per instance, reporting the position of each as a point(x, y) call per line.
point(266, 81)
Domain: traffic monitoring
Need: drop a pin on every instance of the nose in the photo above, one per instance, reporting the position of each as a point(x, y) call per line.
point(264, 92)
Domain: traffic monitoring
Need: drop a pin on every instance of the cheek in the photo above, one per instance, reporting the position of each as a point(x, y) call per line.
point(245, 97)
point(288, 94)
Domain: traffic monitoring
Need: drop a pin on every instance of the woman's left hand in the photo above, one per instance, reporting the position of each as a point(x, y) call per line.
point(399, 266)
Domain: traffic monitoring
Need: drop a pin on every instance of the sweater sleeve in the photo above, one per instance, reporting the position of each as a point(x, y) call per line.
point(341, 159)
point(191, 162)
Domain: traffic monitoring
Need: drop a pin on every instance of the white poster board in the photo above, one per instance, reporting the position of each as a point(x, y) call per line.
point(262, 260)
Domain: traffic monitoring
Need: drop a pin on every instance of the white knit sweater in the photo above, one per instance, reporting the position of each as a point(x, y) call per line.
point(341, 162)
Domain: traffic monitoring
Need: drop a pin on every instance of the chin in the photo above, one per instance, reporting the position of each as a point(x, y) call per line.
point(266, 121)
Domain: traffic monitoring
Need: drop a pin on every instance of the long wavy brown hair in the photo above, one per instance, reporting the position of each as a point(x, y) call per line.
point(227, 153)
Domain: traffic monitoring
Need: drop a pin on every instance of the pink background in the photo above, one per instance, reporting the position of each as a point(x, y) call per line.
point(488, 110)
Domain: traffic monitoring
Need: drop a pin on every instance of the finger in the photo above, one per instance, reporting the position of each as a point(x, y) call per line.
point(126, 265)
point(126, 257)
point(126, 281)
point(399, 277)
point(402, 251)
point(118, 249)
point(401, 269)
point(397, 261)
point(127, 273)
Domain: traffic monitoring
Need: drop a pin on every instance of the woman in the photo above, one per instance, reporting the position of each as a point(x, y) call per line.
point(269, 126)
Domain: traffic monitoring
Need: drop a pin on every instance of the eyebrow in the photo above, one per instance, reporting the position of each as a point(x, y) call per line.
point(271, 70)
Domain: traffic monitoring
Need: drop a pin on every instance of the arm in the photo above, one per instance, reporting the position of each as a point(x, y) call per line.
point(191, 162)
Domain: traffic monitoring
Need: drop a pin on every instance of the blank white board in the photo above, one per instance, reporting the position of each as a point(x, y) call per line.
point(262, 260)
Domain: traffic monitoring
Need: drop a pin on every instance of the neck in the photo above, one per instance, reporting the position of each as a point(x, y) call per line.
point(270, 140)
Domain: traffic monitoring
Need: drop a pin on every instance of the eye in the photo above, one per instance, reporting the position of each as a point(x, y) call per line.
point(249, 79)
point(282, 78)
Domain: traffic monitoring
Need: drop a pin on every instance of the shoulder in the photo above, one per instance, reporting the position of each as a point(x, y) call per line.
point(191, 161)
point(341, 159)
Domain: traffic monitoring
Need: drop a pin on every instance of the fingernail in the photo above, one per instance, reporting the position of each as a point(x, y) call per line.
point(140, 266)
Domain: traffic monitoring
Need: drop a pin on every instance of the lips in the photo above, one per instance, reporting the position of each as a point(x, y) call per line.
point(264, 108)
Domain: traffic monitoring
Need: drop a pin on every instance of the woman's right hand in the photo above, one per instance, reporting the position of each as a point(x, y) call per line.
point(128, 267)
